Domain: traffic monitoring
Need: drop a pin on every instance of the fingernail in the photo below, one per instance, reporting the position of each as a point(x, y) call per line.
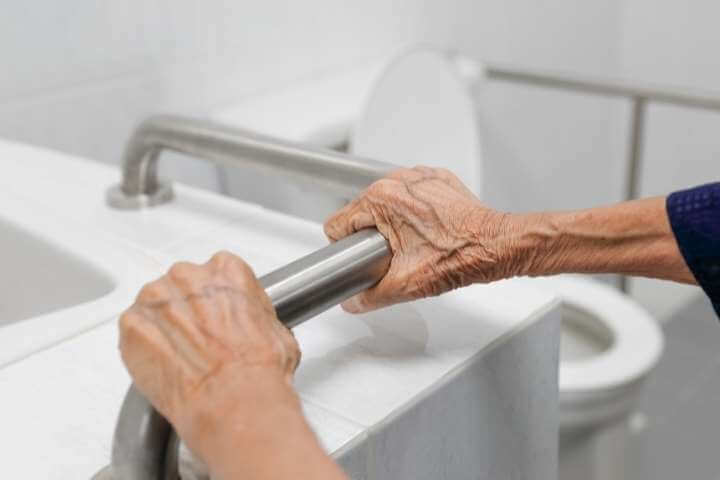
point(350, 306)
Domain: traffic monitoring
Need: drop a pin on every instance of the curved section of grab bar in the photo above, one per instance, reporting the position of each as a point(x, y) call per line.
point(298, 291)
point(341, 174)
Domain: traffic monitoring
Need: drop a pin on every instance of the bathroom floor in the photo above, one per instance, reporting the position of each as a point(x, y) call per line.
point(682, 403)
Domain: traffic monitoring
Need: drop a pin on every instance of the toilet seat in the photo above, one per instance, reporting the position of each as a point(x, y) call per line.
point(422, 111)
point(603, 387)
point(637, 339)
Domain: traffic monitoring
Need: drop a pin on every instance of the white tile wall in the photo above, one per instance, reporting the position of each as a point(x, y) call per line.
point(546, 149)
point(77, 78)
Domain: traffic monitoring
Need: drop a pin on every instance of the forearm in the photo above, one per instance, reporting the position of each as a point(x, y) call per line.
point(632, 238)
point(259, 432)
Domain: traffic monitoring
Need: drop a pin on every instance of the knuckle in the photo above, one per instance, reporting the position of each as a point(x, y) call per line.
point(241, 274)
point(291, 343)
point(330, 228)
point(270, 354)
point(245, 270)
point(152, 292)
point(181, 270)
point(225, 259)
point(131, 326)
point(127, 321)
point(222, 258)
point(446, 174)
point(381, 188)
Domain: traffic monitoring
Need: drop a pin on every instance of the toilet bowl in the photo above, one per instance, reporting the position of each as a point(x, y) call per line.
point(424, 110)
point(609, 345)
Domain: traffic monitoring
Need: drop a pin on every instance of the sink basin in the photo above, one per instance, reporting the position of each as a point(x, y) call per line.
point(58, 279)
point(38, 277)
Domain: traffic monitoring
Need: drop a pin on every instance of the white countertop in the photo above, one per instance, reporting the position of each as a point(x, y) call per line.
point(61, 391)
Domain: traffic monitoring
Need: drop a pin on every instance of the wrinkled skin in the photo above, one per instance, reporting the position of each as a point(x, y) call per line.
point(196, 332)
point(442, 237)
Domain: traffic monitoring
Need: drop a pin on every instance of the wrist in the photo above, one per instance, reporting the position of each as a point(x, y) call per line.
point(232, 405)
point(524, 244)
point(255, 428)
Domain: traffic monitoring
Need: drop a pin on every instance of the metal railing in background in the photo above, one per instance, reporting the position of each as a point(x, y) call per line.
point(637, 93)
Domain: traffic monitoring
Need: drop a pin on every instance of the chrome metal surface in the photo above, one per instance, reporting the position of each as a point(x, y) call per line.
point(634, 164)
point(117, 198)
point(326, 170)
point(325, 278)
point(140, 440)
point(144, 446)
point(635, 147)
point(604, 86)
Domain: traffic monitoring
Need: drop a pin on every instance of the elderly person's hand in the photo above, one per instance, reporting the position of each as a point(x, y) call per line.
point(442, 237)
point(204, 345)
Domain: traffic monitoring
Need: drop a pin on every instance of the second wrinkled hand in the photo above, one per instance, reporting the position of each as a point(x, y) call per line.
point(441, 235)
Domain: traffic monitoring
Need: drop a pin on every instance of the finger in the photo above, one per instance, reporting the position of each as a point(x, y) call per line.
point(237, 274)
point(408, 174)
point(292, 351)
point(366, 301)
point(350, 219)
point(154, 293)
point(224, 259)
point(425, 172)
point(145, 351)
point(186, 278)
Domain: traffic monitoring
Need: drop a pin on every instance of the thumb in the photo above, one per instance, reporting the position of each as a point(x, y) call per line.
point(367, 301)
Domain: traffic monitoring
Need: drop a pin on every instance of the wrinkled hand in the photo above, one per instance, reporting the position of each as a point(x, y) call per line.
point(442, 237)
point(198, 339)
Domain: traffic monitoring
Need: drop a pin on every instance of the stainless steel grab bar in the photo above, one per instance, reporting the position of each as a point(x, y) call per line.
point(144, 444)
point(329, 171)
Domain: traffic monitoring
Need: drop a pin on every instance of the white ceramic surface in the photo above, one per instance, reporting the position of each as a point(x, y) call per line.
point(118, 275)
point(63, 380)
point(636, 345)
point(59, 279)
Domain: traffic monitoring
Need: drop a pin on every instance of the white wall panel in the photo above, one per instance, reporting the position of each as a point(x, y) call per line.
point(675, 43)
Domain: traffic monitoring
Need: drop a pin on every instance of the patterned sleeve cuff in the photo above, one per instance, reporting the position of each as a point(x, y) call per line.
point(695, 219)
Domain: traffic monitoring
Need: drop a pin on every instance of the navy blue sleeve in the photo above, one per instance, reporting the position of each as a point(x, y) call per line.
point(695, 219)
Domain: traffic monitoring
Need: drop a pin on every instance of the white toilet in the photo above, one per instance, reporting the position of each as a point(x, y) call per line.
point(423, 110)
